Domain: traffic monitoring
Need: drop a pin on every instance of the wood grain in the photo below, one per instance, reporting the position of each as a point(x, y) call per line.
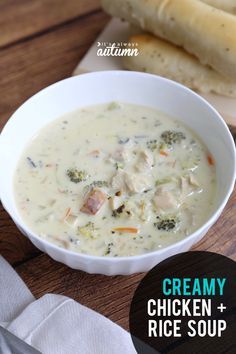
point(41, 42)
point(221, 238)
point(15, 247)
point(23, 18)
point(32, 65)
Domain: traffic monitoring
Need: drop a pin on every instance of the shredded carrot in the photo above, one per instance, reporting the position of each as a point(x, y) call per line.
point(67, 214)
point(163, 153)
point(210, 160)
point(132, 230)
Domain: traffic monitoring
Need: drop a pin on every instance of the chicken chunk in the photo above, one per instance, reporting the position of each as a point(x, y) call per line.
point(93, 202)
point(121, 155)
point(193, 181)
point(188, 185)
point(145, 161)
point(137, 183)
point(131, 182)
point(184, 185)
point(118, 181)
point(164, 199)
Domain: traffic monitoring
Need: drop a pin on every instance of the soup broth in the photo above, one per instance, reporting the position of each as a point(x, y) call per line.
point(115, 180)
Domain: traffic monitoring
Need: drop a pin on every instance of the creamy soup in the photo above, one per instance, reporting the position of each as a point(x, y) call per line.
point(115, 180)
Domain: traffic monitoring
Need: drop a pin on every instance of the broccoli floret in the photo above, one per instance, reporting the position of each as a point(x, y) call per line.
point(99, 184)
point(88, 230)
point(166, 224)
point(119, 166)
point(77, 176)
point(108, 250)
point(171, 137)
point(152, 144)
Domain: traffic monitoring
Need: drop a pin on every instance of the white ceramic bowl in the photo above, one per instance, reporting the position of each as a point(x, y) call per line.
point(101, 87)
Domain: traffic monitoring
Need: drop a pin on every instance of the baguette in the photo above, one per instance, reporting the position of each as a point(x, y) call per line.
point(159, 57)
point(225, 5)
point(200, 29)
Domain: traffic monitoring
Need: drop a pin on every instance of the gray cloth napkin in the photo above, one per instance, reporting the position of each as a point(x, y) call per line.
point(56, 324)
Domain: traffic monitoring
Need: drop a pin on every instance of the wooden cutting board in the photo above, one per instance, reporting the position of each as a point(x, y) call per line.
point(117, 31)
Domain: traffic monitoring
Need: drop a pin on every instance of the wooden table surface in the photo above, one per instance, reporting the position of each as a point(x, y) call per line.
point(41, 42)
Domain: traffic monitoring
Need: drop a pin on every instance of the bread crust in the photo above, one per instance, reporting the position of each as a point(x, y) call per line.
point(225, 5)
point(159, 57)
point(200, 29)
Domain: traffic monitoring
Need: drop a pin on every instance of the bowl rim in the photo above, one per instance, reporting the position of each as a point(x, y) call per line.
point(108, 259)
